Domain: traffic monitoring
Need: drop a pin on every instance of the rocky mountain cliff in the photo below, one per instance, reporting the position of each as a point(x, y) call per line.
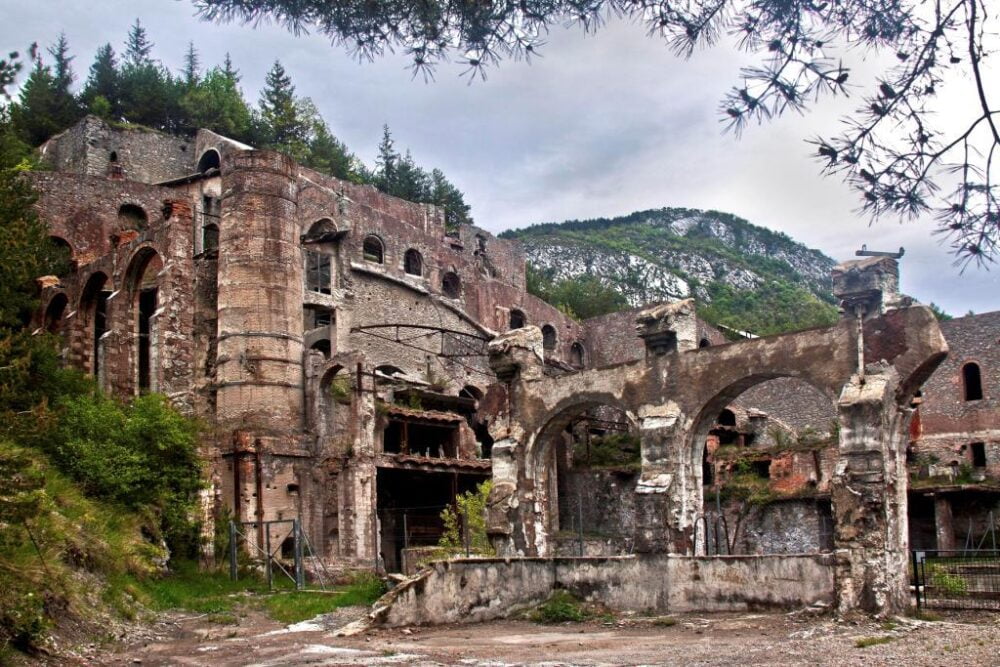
point(731, 266)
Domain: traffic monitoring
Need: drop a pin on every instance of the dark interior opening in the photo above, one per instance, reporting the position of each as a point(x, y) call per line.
point(704, 342)
point(727, 418)
point(762, 468)
point(100, 327)
point(451, 286)
point(402, 436)
point(372, 250)
point(707, 471)
point(979, 454)
point(410, 503)
point(413, 263)
point(147, 306)
point(517, 320)
point(210, 238)
point(549, 337)
point(973, 382)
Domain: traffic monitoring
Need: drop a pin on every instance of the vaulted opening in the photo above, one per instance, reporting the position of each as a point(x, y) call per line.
point(972, 382)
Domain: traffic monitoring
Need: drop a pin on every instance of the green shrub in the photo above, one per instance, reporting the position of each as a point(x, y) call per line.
point(471, 505)
point(948, 582)
point(615, 450)
point(561, 607)
point(141, 455)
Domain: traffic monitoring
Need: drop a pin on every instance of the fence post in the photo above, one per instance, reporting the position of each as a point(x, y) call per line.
point(579, 517)
point(232, 550)
point(465, 530)
point(916, 577)
point(267, 551)
point(300, 575)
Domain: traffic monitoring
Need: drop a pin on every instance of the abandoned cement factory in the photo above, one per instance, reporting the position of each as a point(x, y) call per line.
point(361, 365)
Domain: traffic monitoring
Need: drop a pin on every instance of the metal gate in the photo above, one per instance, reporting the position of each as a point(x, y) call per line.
point(957, 578)
point(279, 546)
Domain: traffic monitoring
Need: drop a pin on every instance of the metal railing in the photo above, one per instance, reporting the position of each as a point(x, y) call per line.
point(957, 578)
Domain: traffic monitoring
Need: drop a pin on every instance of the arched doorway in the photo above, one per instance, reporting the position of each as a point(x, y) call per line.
point(94, 320)
point(144, 295)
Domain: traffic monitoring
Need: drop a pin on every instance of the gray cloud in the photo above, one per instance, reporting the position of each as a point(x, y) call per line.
point(600, 125)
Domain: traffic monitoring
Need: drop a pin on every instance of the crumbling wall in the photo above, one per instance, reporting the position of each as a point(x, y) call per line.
point(476, 590)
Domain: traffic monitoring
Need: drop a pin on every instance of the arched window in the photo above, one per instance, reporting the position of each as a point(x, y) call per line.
point(113, 158)
point(132, 216)
point(373, 250)
point(576, 355)
point(94, 307)
point(143, 284)
point(322, 231)
point(469, 391)
point(517, 319)
point(322, 345)
point(413, 263)
point(63, 255)
point(451, 285)
point(209, 160)
point(727, 418)
point(54, 313)
point(972, 381)
point(549, 338)
point(704, 342)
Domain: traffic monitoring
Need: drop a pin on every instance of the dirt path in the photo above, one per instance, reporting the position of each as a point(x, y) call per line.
point(722, 639)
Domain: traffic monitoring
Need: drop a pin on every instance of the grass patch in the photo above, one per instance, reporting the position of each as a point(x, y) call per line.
point(924, 615)
point(665, 621)
point(188, 588)
point(298, 606)
point(889, 625)
point(865, 642)
point(561, 607)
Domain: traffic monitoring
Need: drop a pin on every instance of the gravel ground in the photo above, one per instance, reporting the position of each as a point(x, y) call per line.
point(721, 639)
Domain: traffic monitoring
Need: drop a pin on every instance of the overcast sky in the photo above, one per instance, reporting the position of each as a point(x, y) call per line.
point(601, 125)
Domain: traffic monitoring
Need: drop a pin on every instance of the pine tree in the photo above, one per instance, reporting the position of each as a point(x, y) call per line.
point(66, 108)
point(450, 198)
point(411, 182)
point(102, 91)
point(328, 154)
point(138, 47)
point(34, 114)
point(192, 64)
point(149, 95)
point(216, 103)
point(386, 163)
point(283, 125)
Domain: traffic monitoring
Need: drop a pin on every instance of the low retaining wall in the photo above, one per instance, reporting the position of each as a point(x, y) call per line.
point(480, 589)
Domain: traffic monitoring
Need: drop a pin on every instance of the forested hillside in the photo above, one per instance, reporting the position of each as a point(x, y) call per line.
point(743, 276)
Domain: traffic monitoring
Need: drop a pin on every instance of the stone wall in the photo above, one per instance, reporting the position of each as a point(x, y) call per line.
point(141, 154)
point(476, 590)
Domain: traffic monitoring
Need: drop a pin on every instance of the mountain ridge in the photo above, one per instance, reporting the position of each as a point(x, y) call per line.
point(731, 266)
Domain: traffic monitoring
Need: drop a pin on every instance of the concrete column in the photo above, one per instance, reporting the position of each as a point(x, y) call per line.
point(944, 526)
point(513, 513)
point(667, 498)
point(868, 490)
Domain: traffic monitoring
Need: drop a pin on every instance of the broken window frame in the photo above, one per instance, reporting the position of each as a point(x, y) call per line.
point(318, 272)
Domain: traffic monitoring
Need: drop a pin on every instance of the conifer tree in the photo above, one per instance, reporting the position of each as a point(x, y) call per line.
point(148, 92)
point(283, 124)
point(450, 198)
point(34, 115)
point(102, 92)
point(66, 108)
point(191, 71)
point(329, 155)
point(386, 163)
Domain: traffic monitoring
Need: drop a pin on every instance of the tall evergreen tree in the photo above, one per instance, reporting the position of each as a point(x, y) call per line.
point(191, 72)
point(387, 162)
point(329, 155)
point(102, 92)
point(284, 124)
point(450, 198)
point(34, 115)
point(216, 103)
point(148, 93)
point(410, 182)
point(66, 108)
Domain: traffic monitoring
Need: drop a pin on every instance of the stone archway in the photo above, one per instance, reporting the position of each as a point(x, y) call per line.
point(870, 363)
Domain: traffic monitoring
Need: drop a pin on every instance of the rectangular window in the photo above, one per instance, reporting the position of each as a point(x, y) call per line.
point(978, 455)
point(318, 272)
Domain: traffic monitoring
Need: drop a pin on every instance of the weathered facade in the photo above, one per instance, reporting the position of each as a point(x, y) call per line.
point(361, 365)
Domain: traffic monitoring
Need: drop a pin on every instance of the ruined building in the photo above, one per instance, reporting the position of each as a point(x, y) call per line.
point(360, 364)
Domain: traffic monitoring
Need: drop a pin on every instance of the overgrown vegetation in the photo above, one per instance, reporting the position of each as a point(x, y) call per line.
point(468, 522)
point(620, 451)
point(293, 607)
point(92, 491)
point(561, 607)
point(136, 90)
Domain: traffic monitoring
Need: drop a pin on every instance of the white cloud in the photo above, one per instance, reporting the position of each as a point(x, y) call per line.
point(600, 125)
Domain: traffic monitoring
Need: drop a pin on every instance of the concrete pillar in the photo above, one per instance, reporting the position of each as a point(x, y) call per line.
point(512, 512)
point(944, 526)
point(667, 498)
point(868, 491)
